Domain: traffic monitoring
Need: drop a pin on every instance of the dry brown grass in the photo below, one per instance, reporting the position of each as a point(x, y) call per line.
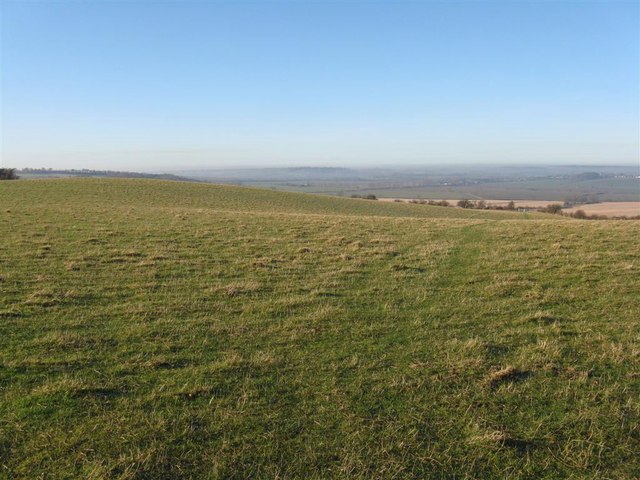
point(505, 374)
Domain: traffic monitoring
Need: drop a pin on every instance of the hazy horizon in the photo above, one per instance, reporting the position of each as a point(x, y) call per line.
point(175, 86)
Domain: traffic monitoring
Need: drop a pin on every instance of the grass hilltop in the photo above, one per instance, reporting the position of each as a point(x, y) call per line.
point(153, 329)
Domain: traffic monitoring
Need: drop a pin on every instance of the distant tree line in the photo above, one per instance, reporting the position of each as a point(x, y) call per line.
point(556, 209)
point(435, 203)
point(8, 174)
point(581, 200)
point(366, 197)
point(104, 173)
point(552, 208)
point(465, 203)
point(482, 205)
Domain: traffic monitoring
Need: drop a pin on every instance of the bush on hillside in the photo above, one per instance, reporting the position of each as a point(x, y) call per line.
point(366, 197)
point(579, 214)
point(8, 174)
point(465, 203)
point(554, 208)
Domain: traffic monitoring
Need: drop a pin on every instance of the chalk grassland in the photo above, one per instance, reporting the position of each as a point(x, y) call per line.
point(142, 194)
point(166, 330)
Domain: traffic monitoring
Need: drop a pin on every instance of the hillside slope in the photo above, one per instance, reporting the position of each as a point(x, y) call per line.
point(171, 194)
point(166, 330)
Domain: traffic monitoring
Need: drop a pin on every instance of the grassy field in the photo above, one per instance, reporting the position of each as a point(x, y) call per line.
point(170, 330)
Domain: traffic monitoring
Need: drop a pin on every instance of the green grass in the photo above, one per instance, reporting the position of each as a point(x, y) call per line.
point(171, 330)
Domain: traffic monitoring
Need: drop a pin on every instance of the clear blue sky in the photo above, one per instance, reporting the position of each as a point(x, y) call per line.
point(158, 85)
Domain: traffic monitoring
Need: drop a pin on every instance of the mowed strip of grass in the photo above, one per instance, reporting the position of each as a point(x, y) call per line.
point(151, 330)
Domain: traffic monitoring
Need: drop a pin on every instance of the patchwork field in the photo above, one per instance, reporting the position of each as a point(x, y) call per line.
point(553, 190)
point(629, 209)
point(611, 209)
point(490, 202)
point(154, 329)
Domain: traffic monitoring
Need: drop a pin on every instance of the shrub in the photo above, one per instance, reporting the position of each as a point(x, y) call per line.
point(465, 203)
point(366, 197)
point(554, 208)
point(8, 174)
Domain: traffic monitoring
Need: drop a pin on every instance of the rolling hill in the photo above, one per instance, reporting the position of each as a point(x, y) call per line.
point(155, 329)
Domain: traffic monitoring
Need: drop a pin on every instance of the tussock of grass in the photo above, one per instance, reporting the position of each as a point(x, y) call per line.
point(506, 374)
point(242, 288)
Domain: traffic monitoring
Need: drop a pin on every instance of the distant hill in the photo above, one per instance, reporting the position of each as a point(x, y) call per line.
point(48, 173)
point(290, 174)
point(211, 197)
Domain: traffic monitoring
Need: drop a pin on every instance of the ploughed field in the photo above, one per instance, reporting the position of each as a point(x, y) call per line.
point(155, 329)
point(629, 209)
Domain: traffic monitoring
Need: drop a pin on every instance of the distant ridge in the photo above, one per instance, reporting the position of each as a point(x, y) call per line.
point(48, 172)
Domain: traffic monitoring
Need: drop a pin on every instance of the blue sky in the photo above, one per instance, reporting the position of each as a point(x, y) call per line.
point(164, 85)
